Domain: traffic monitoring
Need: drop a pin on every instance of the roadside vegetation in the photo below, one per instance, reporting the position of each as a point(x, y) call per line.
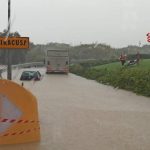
point(94, 61)
point(92, 52)
point(134, 78)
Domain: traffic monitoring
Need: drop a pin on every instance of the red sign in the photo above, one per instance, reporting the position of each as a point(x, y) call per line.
point(148, 37)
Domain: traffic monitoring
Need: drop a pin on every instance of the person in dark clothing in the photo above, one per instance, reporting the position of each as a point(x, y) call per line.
point(123, 59)
point(138, 57)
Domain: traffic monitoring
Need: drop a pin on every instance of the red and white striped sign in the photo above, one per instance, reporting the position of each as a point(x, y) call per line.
point(4, 120)
point(148, 37)
point(21, 132)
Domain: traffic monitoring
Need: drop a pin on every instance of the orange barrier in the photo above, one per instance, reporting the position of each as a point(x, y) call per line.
point(19, 121)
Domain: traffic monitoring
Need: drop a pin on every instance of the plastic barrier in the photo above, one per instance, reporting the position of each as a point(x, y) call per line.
point(19, 121)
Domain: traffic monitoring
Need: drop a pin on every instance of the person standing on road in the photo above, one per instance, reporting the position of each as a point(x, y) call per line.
point(138, 57)
point(123, 59)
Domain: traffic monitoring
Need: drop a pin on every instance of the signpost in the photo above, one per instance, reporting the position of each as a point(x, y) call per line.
point(9, 71)
point(12, 43)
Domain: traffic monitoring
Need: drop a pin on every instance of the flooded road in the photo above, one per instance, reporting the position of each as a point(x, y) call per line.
point(80, 114)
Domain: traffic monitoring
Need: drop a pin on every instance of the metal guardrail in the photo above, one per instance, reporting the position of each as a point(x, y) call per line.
point(3, 69)
point(25, 65)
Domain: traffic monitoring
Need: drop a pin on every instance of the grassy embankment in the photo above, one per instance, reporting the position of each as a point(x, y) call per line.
point(133, 78)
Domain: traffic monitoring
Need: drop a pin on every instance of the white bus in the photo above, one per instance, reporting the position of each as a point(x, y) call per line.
point(57, 61)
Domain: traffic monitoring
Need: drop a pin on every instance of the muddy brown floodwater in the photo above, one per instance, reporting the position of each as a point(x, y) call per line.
point(80, 114)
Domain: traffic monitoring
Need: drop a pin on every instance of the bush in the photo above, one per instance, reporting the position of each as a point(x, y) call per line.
point(132, 79)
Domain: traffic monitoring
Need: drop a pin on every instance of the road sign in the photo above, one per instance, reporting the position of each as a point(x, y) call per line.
point(14, 42)
point(148, 37)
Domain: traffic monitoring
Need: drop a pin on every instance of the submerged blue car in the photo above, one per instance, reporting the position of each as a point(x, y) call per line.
point(30, 75)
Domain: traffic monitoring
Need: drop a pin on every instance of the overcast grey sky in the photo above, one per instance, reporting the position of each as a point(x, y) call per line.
point(115, 22)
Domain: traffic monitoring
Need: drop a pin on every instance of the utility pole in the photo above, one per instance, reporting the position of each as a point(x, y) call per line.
point(9, 70)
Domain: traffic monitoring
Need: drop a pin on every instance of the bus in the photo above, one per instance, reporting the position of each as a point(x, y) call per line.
point(57, 61)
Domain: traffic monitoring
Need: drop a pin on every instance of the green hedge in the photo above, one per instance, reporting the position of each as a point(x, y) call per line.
point(132, 79)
